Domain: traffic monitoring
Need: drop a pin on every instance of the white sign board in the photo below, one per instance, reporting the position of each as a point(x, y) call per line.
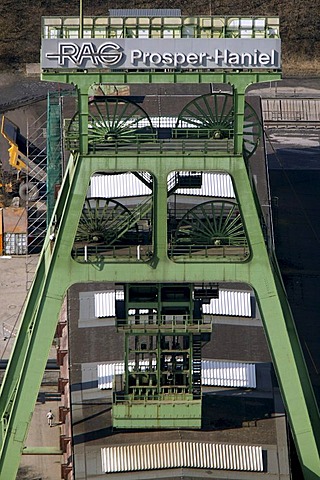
point(150, 53)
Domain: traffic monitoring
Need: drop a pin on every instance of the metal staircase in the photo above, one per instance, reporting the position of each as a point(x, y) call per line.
point(196, 366)
point(139, 212)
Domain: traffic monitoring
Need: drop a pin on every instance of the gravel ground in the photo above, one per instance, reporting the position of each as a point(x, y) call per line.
point(17, 90)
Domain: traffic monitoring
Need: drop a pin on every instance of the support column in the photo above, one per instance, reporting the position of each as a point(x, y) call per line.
point(239, 104)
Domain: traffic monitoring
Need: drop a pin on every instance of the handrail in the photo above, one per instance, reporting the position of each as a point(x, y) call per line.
point(168, 320)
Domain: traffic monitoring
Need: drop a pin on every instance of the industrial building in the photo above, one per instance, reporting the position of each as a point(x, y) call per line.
point(157, 279)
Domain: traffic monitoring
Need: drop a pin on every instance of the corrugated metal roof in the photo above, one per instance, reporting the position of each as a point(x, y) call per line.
point(154, 456)
point(144, 12)
point(213, 373)
point(105, 303)
point(117, 186)
point(230, 303)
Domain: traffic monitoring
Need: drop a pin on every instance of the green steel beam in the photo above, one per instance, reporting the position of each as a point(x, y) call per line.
point(85, 79)
point(54, 150)
point(57, 271)
point(239, 102)
point(167, 415)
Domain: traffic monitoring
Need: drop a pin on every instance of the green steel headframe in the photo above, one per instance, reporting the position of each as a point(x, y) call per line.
point(57, 270)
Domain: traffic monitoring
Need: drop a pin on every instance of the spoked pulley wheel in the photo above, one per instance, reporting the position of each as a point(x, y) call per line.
point(105, 221)
point(113, 120)
point(214, 114)
point(212, 223)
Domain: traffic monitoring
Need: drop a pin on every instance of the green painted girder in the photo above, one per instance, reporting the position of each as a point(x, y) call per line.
point(54, 150)
point(165, 329)
point(57, 271)
point(85, 79)
point(150, 414)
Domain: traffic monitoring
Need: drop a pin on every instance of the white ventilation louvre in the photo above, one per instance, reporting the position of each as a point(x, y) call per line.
point(128, 185)
point(154, 456)
point(213, 373)
point(105, 303)
point(117, 186)
point(229, 303)
point(228, 374)
point(213, 185)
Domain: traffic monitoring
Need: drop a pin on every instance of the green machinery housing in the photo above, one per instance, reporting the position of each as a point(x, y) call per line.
point(167, 252)
point(164, 334)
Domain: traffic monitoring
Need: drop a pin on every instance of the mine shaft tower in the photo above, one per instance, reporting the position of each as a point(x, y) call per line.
point(165, 266)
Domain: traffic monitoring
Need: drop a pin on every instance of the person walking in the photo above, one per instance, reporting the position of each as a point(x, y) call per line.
point(50, 418)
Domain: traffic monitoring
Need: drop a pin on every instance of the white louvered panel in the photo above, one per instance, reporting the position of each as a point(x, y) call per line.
point(193, 457)
point(250, 458)
point(105, 303)
point(221, 457)
point(117, 186)
point(182, 455)
point(117, 460)
point(238, 458)
point(229, 303)
point(106, 373)
point(124, 464)
point(105, 462)
point(212, 453)
point(145, 453)
point(152, 457)
point(201, 454)
point(129, 462)
point(214, 373)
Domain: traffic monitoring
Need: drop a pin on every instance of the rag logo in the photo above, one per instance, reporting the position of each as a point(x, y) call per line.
point(107, 54)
